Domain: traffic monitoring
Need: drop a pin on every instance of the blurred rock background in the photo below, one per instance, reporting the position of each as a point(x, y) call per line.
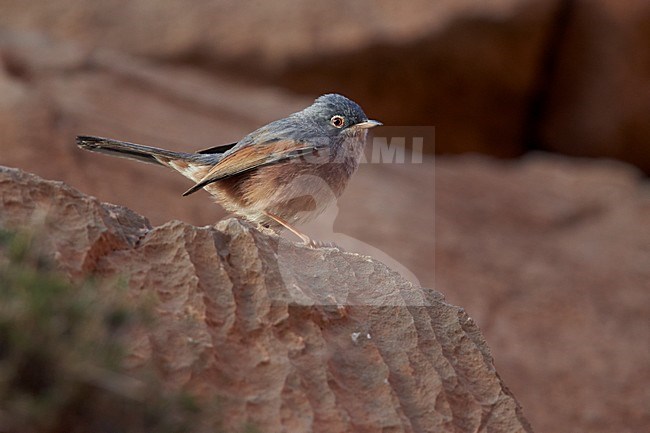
point(549, 254)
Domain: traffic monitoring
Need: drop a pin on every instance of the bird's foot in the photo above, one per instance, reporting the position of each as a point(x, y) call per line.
point(320, 244)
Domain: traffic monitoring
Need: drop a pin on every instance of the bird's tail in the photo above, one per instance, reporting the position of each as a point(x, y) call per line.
point(190, 165)
point(123, 149)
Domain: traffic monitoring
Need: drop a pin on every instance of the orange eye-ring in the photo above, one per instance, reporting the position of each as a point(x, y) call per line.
point(337, 121)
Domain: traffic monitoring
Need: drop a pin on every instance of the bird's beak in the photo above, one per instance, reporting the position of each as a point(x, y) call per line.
point(368, 124)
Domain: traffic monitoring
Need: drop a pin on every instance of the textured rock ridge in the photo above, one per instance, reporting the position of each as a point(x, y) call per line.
point(288, 338)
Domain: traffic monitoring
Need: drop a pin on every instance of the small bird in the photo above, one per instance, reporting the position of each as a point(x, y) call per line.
point(281, 174)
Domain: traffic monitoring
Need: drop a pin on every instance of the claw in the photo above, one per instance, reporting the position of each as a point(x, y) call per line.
point(319, 244)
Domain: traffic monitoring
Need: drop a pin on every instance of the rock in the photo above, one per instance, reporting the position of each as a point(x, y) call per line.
point(30, 202)
point(599, 94)
point(289, 338)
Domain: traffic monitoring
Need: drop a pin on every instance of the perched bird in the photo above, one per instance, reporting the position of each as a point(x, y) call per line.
point(283, 173)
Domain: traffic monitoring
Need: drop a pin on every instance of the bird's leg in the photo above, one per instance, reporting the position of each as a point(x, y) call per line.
point(306, 239)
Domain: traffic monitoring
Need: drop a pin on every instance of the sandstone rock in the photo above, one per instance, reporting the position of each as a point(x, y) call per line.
point(290, 338)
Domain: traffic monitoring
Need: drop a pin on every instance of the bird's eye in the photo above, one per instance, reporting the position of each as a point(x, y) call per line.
point(337, 121)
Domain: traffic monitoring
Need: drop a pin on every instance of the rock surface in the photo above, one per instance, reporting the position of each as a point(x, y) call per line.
point(290, 338)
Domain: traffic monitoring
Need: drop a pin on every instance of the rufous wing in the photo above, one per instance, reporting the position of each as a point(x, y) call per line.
point(251, 157)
